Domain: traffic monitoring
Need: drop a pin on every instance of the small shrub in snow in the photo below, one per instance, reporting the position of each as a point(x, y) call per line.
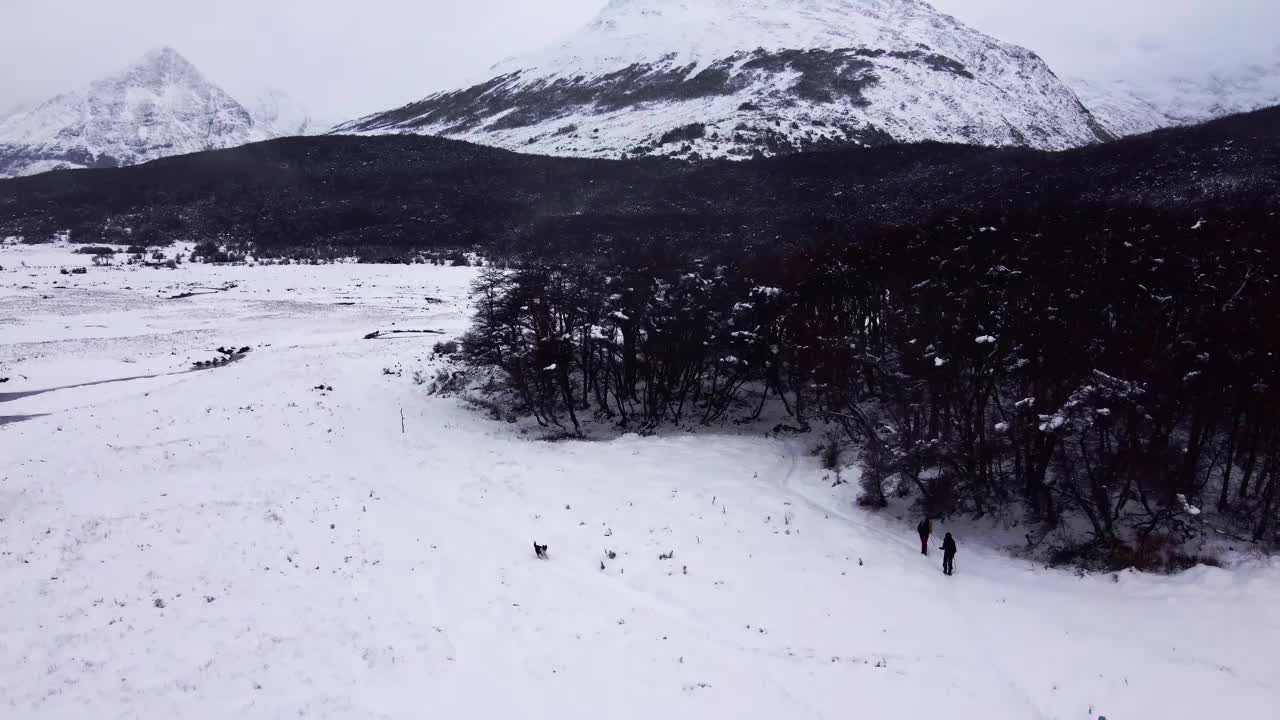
point(829, 453)
point(877, 461)
point(449, 381)
point(479, 403)
point(210, 252)
point(446, 347)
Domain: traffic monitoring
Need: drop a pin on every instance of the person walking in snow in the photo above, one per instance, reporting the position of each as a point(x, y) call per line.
point(925, 528)
point(948, 554)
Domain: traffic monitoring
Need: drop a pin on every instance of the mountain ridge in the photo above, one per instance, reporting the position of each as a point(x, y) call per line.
point(1130, 105)
point(714, 78)
point(159, 105)
point(382, 196)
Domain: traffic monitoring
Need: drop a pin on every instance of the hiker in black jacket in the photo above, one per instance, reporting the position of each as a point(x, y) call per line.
point(948, 554)
point(925, 528)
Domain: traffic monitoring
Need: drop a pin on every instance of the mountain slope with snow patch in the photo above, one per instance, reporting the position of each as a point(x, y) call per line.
point(739, 77)
point(1120, 109)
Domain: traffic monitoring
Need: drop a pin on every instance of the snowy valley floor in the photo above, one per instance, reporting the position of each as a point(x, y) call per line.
point(234, 542)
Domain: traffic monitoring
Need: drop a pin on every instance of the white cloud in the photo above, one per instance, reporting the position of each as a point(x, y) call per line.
point(342, 58)
point(1130, 38)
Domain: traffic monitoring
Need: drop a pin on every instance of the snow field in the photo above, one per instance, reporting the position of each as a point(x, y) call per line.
point(235, 542)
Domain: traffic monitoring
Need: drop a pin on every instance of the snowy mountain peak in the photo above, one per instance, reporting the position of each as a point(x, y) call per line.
point(158, 106)
point(741, 77)
point(1133, 105)
point(163, 64)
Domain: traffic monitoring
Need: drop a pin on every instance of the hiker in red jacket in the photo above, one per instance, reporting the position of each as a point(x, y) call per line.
point(925, 528)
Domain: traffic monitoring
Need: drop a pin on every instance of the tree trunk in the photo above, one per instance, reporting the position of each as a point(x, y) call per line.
point(1249, 465)
point(1268, 504)
point(1224, 497)
point(629, 363)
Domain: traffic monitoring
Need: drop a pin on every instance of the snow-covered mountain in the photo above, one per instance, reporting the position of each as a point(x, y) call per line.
point(1119, 108)
point(8, 112)
point(282, 115)
point(1126, 106)
point(159, 106)
point(736, 77)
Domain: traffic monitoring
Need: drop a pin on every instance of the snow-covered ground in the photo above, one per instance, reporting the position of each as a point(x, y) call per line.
point(233, 542)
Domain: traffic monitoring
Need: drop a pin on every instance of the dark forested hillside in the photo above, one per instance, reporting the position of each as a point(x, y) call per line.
point(354, 195)
point(1089, 337)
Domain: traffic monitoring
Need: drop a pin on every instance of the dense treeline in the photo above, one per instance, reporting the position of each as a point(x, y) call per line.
point(1103, 370)
point(383, 198)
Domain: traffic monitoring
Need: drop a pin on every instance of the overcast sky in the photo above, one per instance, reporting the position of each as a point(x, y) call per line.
point(345, 58)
